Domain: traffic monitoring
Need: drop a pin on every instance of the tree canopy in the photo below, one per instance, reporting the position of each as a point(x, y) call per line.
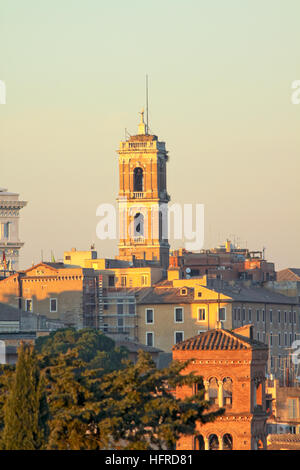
point(82, 393)
point(25, 409)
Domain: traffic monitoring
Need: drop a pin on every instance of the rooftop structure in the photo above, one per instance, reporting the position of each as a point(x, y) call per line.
point(10, 244)
point(226, 262)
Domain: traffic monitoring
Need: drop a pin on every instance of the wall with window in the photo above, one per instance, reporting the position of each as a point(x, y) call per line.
point(69, 295)
point(172, 323)
point(285, 403)
point(277, 325)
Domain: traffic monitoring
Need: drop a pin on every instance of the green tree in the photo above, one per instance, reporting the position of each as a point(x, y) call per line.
point(25, 408)
point(92, 347)
point(6, 374)
point(73, 364)
point(72, 397)
point(139, 409)
point(96, 399)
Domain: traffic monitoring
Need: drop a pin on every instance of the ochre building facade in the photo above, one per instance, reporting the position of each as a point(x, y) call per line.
point(143, 198)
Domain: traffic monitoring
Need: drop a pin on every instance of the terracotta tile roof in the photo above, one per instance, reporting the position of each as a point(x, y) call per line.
point(168, 295)
point(289, 274)
point(157, 295)
point(219, 339)
point(284, 438)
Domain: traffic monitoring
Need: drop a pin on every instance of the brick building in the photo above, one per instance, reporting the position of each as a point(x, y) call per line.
point(233, 366)
point(226, 262)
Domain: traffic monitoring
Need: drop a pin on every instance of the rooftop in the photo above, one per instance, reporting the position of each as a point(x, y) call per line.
point(219, 339)
point(257, 294)
point(289, 274)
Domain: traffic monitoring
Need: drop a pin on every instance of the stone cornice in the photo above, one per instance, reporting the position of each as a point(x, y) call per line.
point(12, 204)
point(11, 244)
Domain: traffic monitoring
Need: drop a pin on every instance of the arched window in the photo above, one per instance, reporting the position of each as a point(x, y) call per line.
point(213, 442)
point(227, 391)
point(227, 442)
point(138, 184)
point(213, 391)
point(199, 443)
point(138, 225)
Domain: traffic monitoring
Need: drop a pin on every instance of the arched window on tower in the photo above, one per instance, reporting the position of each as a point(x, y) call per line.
point(227, 442)
point(213, 442)
point(138, 183)
point(213, 391)
point(138, 225)
point(227, 391)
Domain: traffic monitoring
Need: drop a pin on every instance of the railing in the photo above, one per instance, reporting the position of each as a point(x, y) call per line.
point(140, 240)
point(138, 195)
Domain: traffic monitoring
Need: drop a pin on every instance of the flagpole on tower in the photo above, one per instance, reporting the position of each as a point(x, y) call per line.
point(147, 99)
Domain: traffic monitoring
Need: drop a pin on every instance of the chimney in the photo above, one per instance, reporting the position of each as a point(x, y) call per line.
point(246, 330)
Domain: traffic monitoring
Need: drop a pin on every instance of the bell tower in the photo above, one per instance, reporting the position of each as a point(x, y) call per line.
point(143, 198)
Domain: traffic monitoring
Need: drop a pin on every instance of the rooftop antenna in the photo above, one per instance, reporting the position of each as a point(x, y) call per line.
point(147, 113)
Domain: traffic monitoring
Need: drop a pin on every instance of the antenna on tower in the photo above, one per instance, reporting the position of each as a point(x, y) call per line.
point(147, 113)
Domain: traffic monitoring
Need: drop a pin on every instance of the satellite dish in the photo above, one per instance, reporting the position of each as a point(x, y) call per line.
point(188, 270)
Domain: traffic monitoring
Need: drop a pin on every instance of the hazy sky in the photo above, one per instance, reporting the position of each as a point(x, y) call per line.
point(220, 75)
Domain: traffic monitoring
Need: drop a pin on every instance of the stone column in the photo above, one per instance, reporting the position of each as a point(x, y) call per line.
point(206, 395)
point(206, 443)
point(220, 393)
point(220, 442)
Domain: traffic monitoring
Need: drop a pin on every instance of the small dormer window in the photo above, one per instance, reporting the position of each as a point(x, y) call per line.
point(183, 291)
point(199, 294)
